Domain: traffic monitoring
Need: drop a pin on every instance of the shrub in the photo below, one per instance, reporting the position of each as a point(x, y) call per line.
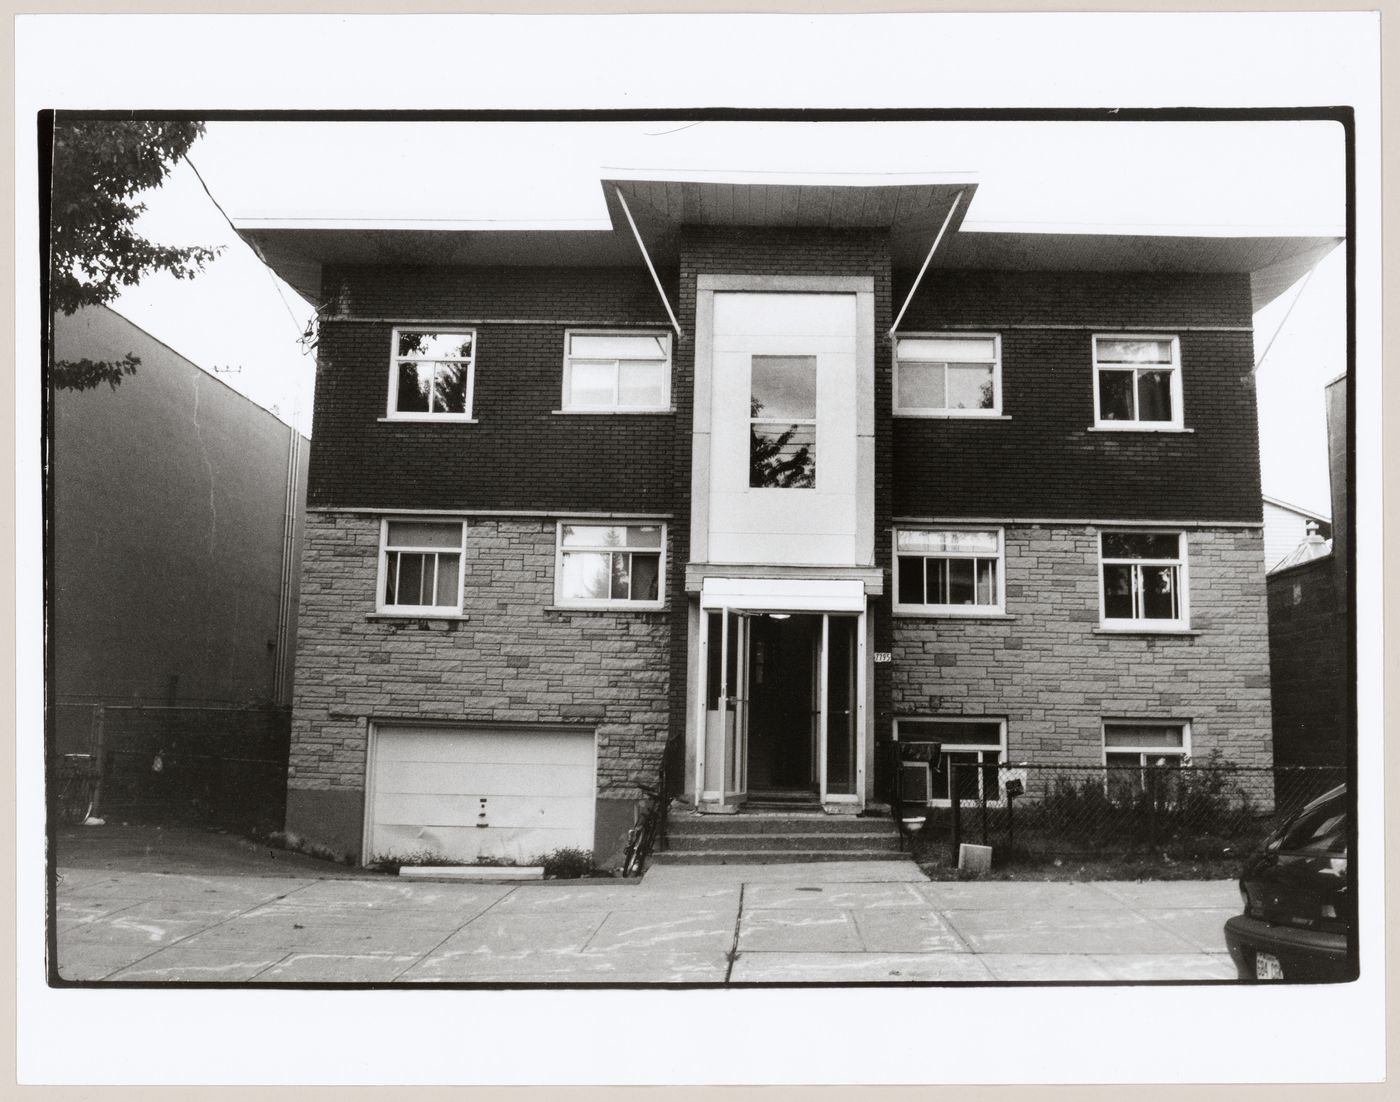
point(566, 863)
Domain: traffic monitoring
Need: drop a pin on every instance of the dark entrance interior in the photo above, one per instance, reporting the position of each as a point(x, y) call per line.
point(783, 707)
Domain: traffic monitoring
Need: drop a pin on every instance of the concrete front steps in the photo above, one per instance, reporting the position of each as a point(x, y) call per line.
point(775, 837)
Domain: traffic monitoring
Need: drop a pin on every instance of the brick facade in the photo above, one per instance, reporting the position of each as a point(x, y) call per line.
point(1049, 671)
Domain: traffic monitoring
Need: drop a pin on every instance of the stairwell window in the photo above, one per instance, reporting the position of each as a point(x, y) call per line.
point(420, 567)
point(1143, 580)
point(783, 422)
point(610, 565)
point(617, 372)
point(1137, 382)
point(950, 375)
point(432, 374)
point(951, 572)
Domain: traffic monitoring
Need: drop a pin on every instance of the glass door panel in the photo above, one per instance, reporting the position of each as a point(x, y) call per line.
point(840, 749)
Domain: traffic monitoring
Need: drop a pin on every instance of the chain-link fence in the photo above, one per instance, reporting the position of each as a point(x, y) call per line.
point(1027, 812)
point(224, 766)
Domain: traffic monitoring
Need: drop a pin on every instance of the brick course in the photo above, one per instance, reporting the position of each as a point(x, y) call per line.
point(513, 660)
point(1054, 677)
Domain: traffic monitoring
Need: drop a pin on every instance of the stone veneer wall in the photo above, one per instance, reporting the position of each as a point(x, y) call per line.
point(514, 659)
point(1046, 669)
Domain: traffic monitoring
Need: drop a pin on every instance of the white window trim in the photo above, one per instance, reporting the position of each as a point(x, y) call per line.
point(929, 411)
point(393, 413)
point(1182, 753)
point(965, 749)
point(381, 576)
point(1144, 625)
point(1176, 422)
point(956, 611)
point(560, 601)
point(566, 406)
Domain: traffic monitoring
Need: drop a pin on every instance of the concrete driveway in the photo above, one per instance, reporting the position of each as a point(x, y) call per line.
point(817, 923)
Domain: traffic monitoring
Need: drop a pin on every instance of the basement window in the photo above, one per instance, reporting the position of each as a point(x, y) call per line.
point(976, 746)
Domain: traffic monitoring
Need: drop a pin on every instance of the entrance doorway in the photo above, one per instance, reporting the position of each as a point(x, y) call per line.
point(781, 708)
point(784, 702)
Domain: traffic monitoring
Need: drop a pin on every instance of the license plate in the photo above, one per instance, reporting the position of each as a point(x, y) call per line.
point(1267, 967)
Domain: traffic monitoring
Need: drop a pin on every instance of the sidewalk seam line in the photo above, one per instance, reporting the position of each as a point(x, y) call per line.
point(416, 961)
point(733, 954)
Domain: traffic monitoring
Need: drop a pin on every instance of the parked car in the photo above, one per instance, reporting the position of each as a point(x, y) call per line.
point(1299, 909)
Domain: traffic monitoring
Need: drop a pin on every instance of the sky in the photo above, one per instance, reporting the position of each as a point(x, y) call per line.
point(241, 321)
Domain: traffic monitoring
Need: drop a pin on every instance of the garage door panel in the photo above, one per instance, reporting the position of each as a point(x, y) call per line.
point(444, 745)
point(483, 780)
point(429, 781)
point(469, 844)
point(501, 811)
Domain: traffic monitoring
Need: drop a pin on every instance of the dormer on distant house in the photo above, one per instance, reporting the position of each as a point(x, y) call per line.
point(773, 471)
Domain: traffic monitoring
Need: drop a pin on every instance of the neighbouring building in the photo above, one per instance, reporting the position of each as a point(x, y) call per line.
point(1309, 626)
point(176, 509)
point(1286, 527)
point(769, 473)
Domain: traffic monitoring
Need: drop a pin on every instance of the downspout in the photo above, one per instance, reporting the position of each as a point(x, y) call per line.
point(680, 335)
point(919, 278)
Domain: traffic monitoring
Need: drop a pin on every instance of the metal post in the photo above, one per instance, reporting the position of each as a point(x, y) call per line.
point(955, 802)
point(1010, 825)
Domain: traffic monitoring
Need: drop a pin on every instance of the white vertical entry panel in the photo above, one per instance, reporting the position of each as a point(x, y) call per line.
point(763, 525)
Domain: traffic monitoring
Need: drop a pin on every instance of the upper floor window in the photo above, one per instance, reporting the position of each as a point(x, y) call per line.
point(783, 422)
point(958, 375)
point(610, 372)
point(421, 566)
point(950, 571)
point(432, 374)
point(1143, 579)
point(1137, 382)
point(609, 565)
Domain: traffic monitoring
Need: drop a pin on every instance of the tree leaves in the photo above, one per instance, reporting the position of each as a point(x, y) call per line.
point(98, 166)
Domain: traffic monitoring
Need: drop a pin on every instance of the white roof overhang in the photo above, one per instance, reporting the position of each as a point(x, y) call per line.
point(910, 207)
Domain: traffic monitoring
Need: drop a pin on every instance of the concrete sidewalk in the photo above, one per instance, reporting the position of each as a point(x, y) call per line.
point(869, 921)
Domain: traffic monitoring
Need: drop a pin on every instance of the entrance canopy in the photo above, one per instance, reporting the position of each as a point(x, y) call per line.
point(784, 594)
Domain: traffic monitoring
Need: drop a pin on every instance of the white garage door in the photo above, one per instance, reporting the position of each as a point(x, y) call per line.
point(464, 794)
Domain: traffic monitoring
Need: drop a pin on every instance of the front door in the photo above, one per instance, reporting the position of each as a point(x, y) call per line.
point(782, 707)
point(784, 702)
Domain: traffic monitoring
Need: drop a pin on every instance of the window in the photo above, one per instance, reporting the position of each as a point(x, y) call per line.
point(421, 566)
point(1133, 751)
point(610, 372)
point(432, 374)
point(609, 565)
point(976, 746)
point(953, 376)
point(1137, 382)
point(951, 571)
point(783, 422)
point(1143, 579)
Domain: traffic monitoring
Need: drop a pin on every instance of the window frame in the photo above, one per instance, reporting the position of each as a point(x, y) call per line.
point(1181, 754)
point(1136, 424)
point(618, 604)
point(395, 361)
point(933, 411)
point(419, 611)
point(566, 380)
point(1138, 623)
point(973, 611)
point(962, 748)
